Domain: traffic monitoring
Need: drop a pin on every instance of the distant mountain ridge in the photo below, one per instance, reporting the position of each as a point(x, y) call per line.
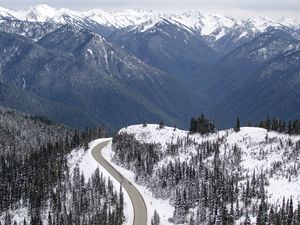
point(208, 24)
point(119, 68)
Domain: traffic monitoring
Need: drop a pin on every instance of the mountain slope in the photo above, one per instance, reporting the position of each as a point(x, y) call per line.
point(25, 133)
point(274, 86)
point(152, 85)
point(109, 84)
point(234, 83)
point(32, 30)
point(154, 44)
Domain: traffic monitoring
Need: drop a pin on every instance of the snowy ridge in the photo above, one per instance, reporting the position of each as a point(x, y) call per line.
point(206, 23)
point(152, 133)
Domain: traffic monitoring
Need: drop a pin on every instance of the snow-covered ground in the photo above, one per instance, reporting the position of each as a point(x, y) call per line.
point(18, 215)
point(88, 165)
point(162, 206)
point(260, 151)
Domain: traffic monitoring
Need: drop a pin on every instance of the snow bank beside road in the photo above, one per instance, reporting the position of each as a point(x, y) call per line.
point(163, 207)
point(88, 165)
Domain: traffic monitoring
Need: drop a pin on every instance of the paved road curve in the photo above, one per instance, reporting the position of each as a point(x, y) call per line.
point(139, 207)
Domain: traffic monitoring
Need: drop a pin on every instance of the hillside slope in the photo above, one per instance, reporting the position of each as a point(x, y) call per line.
point(89, 77)
point(239, 172)
point(21, 133)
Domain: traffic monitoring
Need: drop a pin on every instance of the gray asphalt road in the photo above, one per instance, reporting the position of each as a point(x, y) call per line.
point(139, 206)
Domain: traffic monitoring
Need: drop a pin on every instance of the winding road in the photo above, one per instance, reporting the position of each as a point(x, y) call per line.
point(139, 206)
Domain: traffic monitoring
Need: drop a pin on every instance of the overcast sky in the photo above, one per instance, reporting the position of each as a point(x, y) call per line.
point(239, 8)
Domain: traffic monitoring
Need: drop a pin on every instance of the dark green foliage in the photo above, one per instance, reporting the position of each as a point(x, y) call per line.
point(155, 219)
point(130, 151)
point(292, 127)
point(237, 127)
point(202, 125)
point(42, 119)
point(161, 124)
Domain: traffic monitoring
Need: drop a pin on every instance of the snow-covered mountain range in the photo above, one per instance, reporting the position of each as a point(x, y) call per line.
point(209, 58)
point(206, 23)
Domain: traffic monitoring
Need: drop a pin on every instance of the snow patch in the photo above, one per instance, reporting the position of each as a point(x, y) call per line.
point(24, 83)
point(90, 51)
point(18, 215)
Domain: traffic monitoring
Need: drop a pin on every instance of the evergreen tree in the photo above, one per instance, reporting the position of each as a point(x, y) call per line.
point(247, 219)
point(202, 125)
point(144, 124)
point(155, 219)
point(237, 127)
point(161, 124)
point(193, 125)
point(192, 221)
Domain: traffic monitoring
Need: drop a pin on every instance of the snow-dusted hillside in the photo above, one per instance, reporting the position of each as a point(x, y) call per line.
point(271, 155)
point(79, 161)
point(87, 165)
point(261, 150)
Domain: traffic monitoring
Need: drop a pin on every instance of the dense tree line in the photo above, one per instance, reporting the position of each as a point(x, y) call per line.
point(209, 188)
point(135, 156)
point(291, 127)
point(202, 125)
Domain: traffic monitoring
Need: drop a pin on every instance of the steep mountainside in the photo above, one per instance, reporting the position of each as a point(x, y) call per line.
point(81, 70)
point(32, 30)
point(236, 82)
point(212, 26)
point(154, 44)
point(274, 86)
point(22, 134)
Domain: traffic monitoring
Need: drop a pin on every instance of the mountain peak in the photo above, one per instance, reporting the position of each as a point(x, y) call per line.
point(43, 7)
point(215, 25)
